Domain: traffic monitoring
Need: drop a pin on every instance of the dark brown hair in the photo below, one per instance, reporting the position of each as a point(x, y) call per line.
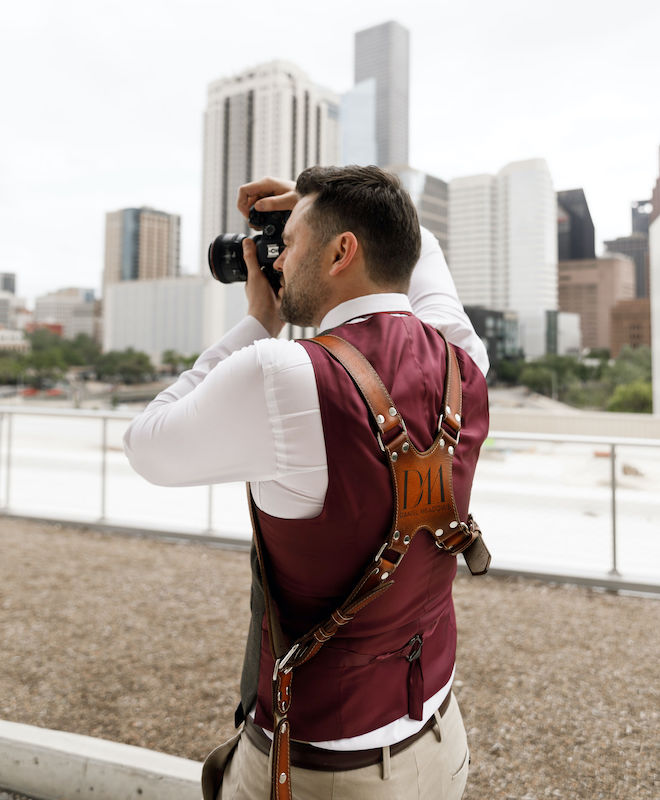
point(372, 204)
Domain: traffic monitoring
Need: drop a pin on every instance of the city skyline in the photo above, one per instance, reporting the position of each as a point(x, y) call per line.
point(84, 132)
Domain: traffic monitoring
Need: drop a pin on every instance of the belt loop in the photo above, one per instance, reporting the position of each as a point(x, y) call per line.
point(438, 725)
point(386, 763)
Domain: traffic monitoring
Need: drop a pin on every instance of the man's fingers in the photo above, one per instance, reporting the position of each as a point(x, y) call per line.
point(280, 202)
point(250, 193)
point(250, 256)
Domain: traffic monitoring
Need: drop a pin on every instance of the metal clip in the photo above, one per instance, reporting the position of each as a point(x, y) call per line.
point(282, 662)
point(416, 647)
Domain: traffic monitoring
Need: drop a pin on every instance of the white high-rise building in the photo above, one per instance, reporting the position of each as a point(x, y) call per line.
point(472, 250)
point(267, 120)
point(503, 245)
point(382, 55)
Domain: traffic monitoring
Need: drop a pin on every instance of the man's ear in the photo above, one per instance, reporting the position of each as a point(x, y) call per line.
point(343, 249)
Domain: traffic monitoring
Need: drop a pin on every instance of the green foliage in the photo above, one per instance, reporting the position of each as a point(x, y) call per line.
point(12, 367)
point(632, 365)
point(622, 385)
point(636, 397)
point(508, 370)
point(537, 378)
point(126, 366)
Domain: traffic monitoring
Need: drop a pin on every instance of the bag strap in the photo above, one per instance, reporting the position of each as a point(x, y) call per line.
point(451, 535)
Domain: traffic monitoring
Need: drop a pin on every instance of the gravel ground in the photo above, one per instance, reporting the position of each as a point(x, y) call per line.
point(141, 641)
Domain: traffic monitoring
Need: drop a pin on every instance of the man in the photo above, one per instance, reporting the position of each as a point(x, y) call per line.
point(286, 417)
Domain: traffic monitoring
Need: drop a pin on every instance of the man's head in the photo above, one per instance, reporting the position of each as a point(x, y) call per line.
point(371, 204)
point(354, 231)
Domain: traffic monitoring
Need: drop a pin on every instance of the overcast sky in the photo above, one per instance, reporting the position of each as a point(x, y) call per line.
point(102, 101)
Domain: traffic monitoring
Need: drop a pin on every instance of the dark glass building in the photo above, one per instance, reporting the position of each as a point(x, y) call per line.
point(575, 228)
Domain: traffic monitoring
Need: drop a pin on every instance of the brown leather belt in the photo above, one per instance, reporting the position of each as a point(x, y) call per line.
point(309, 757)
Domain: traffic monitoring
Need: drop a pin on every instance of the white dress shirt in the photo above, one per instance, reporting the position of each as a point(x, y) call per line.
point(248, 410)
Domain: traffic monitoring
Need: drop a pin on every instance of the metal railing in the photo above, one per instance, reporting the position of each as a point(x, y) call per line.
point(7, 445)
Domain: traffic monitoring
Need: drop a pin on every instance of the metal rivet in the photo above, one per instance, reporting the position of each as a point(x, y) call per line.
point(406, 539)
point(447, 411)
point(380, 419)
point(451, 451)
point(405, 447)
point(457, 417)
point(439, 532)
point(442, 442)
point(395, 455)
point(392, 412)
point(384, 576)
point(282, 777)
point(396, 536)
point(453, 524)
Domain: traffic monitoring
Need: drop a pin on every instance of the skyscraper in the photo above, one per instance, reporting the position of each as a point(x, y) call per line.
point(640, 212)
point(575, 228)
point(268, 120)
point(141, 244)
point(382, 55)
point(472, 251)
point(503, 245)
point(430, 197)
point(8, 282)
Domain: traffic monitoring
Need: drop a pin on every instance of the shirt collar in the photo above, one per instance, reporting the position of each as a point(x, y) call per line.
point(363, 307)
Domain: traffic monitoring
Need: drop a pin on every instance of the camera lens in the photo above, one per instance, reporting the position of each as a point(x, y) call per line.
point(226, 260)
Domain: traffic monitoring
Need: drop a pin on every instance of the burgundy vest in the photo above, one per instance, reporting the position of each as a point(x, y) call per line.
point(359, 680)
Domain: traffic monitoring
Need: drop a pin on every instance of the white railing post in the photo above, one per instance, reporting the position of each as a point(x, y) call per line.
point(614, 570)
point(104, 469)
point(8, 461)
point(209, 517)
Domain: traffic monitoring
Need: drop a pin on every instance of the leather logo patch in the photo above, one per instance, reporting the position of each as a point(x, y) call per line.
point(423, 489)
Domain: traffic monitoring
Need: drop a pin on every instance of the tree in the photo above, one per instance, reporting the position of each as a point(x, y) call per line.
point(537, 378)
point(126, 366)
point(636, 397)
point(173, 360)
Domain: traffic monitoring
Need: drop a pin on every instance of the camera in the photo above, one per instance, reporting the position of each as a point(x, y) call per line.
point(226, 260)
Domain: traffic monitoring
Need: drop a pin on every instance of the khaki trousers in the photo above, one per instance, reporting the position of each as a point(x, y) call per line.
point(434, 767)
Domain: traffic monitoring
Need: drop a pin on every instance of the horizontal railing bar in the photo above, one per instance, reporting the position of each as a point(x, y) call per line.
point(77, 413)
point(522, 436)
point(561, 438)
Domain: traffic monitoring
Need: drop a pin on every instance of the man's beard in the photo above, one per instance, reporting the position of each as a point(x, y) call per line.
point(304, 294)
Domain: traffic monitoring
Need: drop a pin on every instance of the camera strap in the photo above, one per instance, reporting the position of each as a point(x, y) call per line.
point(438, 516)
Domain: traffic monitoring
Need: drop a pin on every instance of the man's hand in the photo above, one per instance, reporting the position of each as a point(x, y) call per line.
point(268, 194)
point(263, 304)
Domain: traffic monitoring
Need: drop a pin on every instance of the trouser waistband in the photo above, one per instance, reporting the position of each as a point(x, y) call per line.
point(309, 757)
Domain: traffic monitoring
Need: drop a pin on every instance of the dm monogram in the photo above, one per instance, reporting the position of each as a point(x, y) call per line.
point(421, 488)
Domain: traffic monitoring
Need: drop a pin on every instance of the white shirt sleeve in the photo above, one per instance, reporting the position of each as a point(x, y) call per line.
point(434, 300)
point(235, 416)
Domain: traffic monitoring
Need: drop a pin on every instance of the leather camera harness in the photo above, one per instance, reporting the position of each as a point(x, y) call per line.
point(451, 535)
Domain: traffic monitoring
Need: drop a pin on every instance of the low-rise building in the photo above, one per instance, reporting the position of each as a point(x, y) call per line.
point(591, 287)
point(631, 324)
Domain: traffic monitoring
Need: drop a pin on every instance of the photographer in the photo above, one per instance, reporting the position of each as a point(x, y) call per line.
point(376, 701)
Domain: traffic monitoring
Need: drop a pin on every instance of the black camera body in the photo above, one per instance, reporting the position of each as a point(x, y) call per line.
point(226, 260)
